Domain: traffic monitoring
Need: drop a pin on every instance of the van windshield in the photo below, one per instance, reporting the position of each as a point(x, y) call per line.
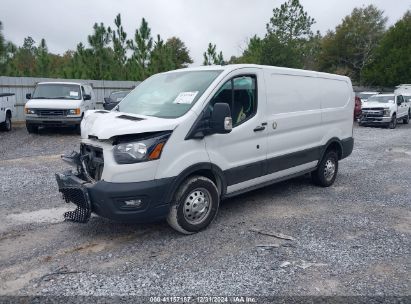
point(57, 91)
point(168, 95)
point(382, 99)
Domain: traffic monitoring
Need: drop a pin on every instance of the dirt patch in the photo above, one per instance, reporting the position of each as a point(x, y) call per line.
point(53, 215)
point(31, 159)
point(88, 248)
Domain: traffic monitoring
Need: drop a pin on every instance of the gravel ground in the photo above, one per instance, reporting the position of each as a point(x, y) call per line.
point(352, 239)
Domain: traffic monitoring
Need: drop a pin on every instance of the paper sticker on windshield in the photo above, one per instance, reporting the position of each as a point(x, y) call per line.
point(186, 97)
point(73, 94)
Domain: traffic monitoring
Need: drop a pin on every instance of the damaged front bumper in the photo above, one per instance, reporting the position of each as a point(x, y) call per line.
point(74, 190)
point(135, 202)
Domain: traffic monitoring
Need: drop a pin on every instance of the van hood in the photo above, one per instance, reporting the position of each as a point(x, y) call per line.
point(366, 105)
point(65, 104)
point(105, 125)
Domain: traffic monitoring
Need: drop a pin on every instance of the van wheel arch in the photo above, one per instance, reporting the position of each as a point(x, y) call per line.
point(333, 144)
point(211, 171)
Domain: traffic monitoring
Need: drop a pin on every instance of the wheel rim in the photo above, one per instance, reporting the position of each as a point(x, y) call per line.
point(8, 123)
point(197, 205)
point(329, 169)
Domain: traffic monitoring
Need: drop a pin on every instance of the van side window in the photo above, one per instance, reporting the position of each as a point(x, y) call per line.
point(224, 95)
point(240, 94)
point(245, 101)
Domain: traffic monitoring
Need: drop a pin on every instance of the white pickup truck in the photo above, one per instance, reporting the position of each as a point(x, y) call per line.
point(385, 109)
point(58, 104)
point(7, 106)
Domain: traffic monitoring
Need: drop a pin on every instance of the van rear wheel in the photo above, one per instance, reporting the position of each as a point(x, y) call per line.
point(327, 170)
point(6, 126)
point(195, 205)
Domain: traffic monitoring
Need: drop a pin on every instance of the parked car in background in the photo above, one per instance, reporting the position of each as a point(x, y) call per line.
point(385, 109)
point(183, 140)
point(7, 106)
point(357, 108)
point(58, 104)
point(407, 98)
point(404, 90)
point(365, 95)
point(114, 98)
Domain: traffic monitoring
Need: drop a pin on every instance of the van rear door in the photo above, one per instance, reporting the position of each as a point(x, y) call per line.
point(241, 154)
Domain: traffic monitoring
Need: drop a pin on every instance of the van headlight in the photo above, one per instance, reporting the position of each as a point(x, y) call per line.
point(387, 112)
point(140, 151)
point(73, 112)
point(30, 111)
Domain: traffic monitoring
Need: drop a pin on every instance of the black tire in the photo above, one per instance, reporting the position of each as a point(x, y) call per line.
point(327, 170)
point(6, 125)
point(77, 129)
point(195, 205)
point(393, 123)
point(406, 119)
point(32, 128)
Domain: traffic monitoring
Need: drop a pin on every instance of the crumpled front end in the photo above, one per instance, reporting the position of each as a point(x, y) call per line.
point(89, 163)
point(127, 202)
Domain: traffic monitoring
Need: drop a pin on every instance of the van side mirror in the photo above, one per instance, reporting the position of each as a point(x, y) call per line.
point(221, 121)
point(86, 97)
point(28, 96)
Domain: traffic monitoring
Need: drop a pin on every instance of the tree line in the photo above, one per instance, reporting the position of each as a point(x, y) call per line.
point(109, 55)
point(361, 47)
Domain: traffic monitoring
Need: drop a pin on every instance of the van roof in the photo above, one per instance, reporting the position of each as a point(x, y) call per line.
point(279, 70)
point(63, 82)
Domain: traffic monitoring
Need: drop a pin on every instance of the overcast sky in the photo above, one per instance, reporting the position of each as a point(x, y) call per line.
point(228, 23)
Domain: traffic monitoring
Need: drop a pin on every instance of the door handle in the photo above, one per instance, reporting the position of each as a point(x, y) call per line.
point(259, 128)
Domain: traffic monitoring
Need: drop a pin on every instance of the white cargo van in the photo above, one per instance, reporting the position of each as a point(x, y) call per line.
point(58, 104)
point(7, 106)
point(184, 140)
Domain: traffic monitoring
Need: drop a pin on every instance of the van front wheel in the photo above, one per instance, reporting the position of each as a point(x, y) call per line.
point(406, 119)
point(32, 128)
point(327, 170)
point(393, 123)
point(195, 205)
